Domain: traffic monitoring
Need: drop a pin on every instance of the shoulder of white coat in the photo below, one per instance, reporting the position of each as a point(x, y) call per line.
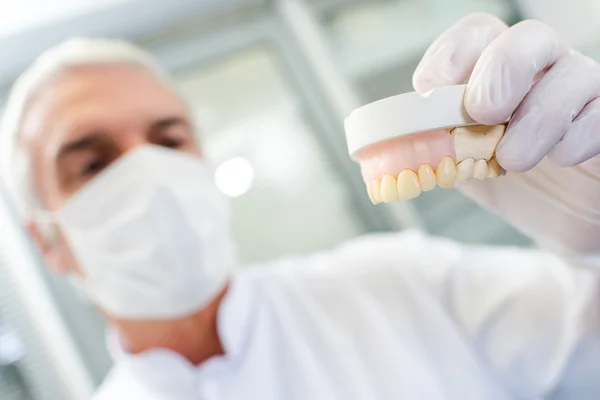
point(406, 249)
point(528, 311)
point(401, 240)
point(121, 385)
point(383, 254)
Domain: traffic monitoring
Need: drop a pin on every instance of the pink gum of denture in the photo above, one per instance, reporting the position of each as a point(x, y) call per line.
point(405, 152)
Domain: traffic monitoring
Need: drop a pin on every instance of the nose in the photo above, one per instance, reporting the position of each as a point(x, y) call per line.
point(131, 141)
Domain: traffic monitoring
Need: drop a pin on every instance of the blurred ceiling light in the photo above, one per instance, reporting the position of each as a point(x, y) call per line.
point(234, 177)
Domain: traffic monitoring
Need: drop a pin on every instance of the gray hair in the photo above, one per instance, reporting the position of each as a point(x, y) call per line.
point(15, 168)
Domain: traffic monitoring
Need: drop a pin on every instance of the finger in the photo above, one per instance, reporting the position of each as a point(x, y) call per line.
point(506, 69)
point(582, 141)
point(451, 58)
point(547, 112)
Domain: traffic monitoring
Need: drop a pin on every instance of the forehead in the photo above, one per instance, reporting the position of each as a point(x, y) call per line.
point(103, 95)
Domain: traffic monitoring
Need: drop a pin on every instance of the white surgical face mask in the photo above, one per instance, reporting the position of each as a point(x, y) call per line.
point(151, 235)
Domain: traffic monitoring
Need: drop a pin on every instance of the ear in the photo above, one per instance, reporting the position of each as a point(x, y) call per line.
point(50, 250)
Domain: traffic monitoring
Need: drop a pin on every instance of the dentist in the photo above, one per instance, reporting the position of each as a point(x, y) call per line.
point(100, 156)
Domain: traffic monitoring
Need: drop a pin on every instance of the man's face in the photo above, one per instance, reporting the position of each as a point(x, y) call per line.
point(86, 118)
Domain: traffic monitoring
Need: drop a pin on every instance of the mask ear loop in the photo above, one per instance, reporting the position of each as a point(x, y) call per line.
point(46, 222)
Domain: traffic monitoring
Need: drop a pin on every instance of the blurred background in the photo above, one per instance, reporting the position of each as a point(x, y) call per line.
point(270, 83)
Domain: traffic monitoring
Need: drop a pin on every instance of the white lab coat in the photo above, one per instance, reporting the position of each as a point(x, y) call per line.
point(402, 316)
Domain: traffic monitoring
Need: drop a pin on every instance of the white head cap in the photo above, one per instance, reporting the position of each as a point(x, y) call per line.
point(14, 162)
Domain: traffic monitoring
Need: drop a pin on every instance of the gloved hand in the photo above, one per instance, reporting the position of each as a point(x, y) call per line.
point(554, 199)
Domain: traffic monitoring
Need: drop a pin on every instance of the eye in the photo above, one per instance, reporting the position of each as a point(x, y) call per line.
point(173, 133)
point(93, 167)
point(172, 143)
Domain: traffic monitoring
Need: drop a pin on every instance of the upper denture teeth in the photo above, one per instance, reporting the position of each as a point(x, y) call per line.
point(408, 185)
point(465, 169)
point(411, 184)
point(481, 169)
point(389, 191)
point(376, 188)
point(446, 173)
point(370, 192)
point(427, 177)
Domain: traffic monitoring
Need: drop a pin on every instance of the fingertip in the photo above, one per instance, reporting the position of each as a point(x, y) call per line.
point(423, 80)
point(486, 103)
point(484, 114)
point(518, 150)
point(512, 164)
point(422, 85)
point(433, 78)
point(451, 57)
point(517, 158)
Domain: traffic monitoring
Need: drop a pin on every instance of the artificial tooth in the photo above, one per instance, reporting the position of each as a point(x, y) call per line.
point(477, 141)
point(481, 170)
point(389, 190)
point(465, 169)
point(494, 169)
point(426, 177)
point(376, 187)
point(370, 193)
point(408, 185)
point(446, 173)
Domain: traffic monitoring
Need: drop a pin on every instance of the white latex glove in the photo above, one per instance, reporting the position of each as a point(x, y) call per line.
point(555, 201)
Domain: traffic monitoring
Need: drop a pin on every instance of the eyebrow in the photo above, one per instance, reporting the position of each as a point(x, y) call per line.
point(168, 122)
point(93, 139)
point(84, 143)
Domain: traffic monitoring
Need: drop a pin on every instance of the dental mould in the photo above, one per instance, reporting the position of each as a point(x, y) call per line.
point(411, 143)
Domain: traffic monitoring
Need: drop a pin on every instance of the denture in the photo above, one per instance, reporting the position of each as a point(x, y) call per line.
point(413, 143)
